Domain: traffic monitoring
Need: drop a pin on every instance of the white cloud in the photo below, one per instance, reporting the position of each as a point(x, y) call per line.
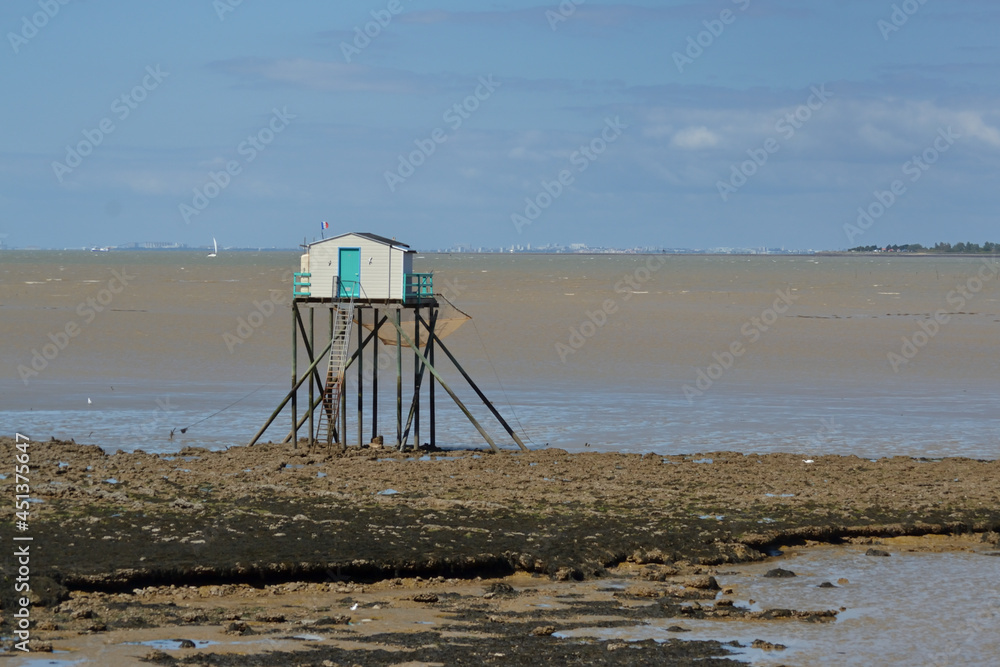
point(971, 124)
point(695, 138)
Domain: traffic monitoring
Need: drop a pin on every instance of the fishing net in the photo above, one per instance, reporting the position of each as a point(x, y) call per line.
point(449, 319)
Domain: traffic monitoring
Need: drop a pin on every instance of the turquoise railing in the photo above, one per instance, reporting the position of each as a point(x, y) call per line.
point(300, 281)
point(417, 286)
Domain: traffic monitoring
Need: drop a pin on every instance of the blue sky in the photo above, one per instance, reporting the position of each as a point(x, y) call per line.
point(698, 124)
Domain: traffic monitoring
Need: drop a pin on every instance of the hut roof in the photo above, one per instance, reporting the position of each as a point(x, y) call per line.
point(368, 235)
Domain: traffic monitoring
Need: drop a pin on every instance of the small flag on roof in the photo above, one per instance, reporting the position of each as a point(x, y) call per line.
point(324, 225)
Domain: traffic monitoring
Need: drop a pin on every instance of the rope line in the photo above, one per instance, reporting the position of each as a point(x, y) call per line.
point(497, 376)
point(268, 384)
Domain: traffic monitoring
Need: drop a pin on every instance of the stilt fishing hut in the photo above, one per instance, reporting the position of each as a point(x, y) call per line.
point(365, 283)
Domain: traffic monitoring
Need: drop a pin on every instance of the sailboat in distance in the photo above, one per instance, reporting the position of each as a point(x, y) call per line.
point(216, 246)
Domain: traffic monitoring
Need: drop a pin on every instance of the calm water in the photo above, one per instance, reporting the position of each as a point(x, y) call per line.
point(939, 609)
point(576, 350)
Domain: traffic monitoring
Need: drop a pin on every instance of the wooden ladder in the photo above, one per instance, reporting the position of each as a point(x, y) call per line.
point(334, 389)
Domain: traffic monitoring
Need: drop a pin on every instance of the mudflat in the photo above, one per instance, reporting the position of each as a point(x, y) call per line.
point(305, 556)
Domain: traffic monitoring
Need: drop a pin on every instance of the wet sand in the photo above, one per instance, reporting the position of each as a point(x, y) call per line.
point(253, 547)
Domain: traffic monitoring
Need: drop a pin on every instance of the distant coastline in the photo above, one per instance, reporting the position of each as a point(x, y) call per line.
point(562, 252)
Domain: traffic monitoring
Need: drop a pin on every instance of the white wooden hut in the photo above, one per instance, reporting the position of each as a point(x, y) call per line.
point(365, 265)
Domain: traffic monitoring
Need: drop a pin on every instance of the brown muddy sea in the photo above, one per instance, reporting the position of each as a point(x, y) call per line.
point(875, 356)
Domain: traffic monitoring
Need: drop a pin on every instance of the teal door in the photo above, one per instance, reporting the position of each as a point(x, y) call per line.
point(349, 272)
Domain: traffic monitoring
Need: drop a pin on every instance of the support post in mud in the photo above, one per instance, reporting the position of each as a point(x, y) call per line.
point(375, 370)
point(312, 398)
point(361, 364)
point(295, 371)
point(342, 435)
point(399, 382)
point(430, 389)
point(417, 375)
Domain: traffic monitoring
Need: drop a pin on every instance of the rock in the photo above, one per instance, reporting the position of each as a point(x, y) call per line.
point(339, 619)
point(826, 584)
point(643, 592)
point(657, 572)
point(877, 552)
point(500, 588)
point(41, 648)
point(644, 556)
point(47, 592)
point(82, 613)
point(704, 582)
point(568, 574)
point(158, 657)
point(194, 617)
point(187, 643)
point(677, 628)
point(544, 630)
point(238, 628)
point(97, 627)
point(842, 581)
point(767, 646)
point(428, 598)
point(47, 626)
point(616, 645)
point(270, 618)
point(779, 573)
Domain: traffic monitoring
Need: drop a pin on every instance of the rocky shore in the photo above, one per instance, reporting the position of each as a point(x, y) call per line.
point(271, 542)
